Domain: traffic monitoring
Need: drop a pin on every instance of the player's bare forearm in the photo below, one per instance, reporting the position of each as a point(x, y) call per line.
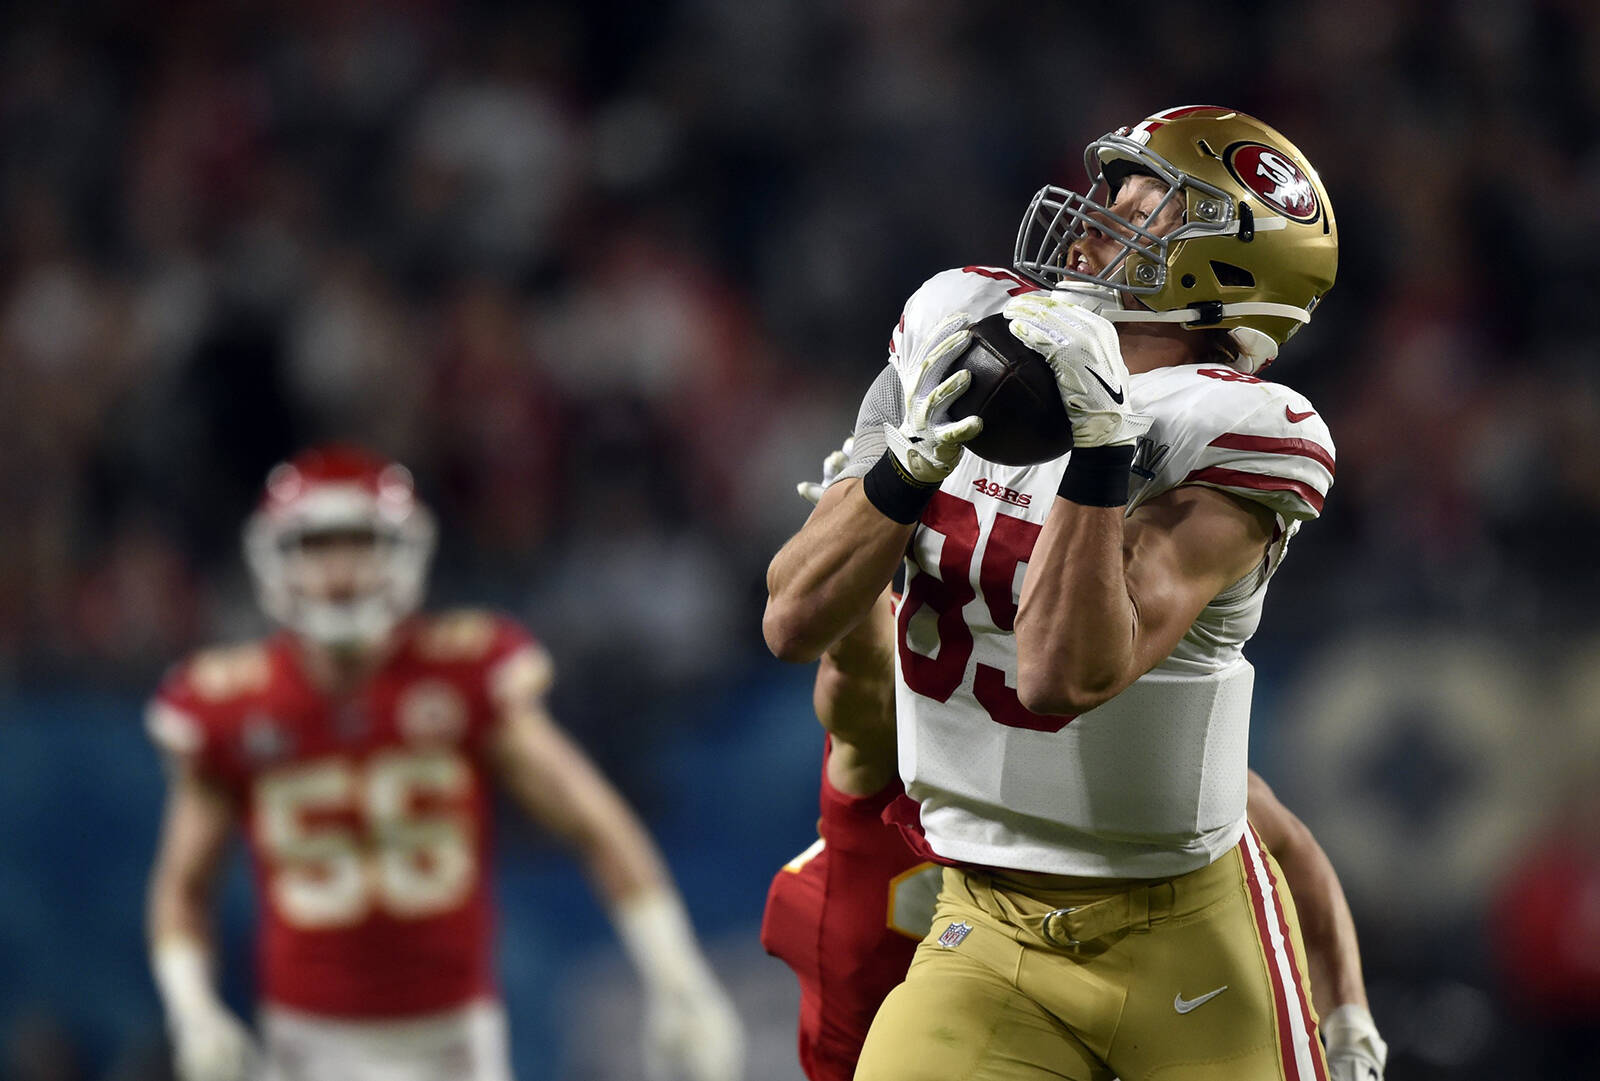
point(560, 789)
point(194, 837)
point(178, 910)
point(1075, 622)
point(854, 699)
point(1332, 951)
point(826, 578)
point(208, 1041)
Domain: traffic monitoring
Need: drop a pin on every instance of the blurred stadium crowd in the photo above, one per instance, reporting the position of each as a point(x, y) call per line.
point(611, 277)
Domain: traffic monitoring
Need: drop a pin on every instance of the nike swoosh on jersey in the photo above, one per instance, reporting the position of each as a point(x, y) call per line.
point(1184, 1005)
point(1116, 395)
point(1296, 418)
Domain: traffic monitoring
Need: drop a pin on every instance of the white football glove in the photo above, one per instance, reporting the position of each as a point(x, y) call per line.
point(212, 1046)
point(692, 1032)
point(209, 1043)
point(832, 465)
point(1355, 1050)
point(1083, 351)
point(928, 452)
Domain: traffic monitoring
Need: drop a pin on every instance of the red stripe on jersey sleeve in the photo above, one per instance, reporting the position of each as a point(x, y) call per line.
point(1261, 482)
point(1003, 276)
point(1305, 448)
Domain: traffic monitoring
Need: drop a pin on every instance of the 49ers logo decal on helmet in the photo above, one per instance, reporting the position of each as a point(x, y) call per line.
point(1274, 177)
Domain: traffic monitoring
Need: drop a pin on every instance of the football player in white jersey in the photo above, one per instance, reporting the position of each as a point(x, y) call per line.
point(825, 914)
point(1072, 698)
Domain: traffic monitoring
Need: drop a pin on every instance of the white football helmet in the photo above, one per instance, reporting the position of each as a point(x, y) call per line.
point(332, 492)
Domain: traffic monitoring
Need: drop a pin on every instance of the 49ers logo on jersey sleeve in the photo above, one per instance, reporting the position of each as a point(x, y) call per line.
point(1274, 177)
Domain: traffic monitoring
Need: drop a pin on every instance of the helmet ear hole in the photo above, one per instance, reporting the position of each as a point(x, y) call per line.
point(1232, 277)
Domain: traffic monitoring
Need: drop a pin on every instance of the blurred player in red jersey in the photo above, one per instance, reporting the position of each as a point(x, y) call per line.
point(356, 749)
point(847, 913)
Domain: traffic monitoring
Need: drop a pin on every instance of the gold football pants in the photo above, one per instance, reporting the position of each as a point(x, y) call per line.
point(1196, 978)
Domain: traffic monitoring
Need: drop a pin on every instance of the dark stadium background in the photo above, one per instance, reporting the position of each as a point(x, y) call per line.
point(612, 277)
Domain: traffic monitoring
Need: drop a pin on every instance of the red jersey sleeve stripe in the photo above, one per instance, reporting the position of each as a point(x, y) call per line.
point(1305, 448)
point(1261, 482)
point(1003, 276)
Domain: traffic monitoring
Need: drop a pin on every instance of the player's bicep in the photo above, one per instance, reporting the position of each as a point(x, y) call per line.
point(1285, 835)
point(1180, 550)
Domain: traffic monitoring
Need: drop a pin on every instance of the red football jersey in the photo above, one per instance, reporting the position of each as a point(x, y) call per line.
point(368, 814)
point(846, 914)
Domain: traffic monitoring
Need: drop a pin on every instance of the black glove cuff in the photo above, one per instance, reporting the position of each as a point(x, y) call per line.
point(897, 494)
point(1097, 476)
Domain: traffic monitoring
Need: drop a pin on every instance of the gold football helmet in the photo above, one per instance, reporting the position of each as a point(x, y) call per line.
point(1257, 249)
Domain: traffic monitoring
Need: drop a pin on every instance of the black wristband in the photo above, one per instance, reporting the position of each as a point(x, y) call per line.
point(896, 493)
point(1097, 476)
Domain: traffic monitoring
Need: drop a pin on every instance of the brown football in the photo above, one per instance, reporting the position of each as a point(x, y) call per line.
point(1014, 391)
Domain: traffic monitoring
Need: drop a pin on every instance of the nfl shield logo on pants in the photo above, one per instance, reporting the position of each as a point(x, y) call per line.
point(955, 934)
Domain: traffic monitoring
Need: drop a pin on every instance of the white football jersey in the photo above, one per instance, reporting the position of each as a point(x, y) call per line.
point(1153, 782)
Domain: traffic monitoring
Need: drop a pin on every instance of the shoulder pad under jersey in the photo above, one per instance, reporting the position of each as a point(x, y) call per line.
point(514, 664)
point(976, 290)
point(1254, 439)
point(199, 691)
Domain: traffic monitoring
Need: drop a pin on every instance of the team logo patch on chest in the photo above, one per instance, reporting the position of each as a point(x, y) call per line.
point(955, 934)
point(996, 490)
point(264, 740)
point(431, 711)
